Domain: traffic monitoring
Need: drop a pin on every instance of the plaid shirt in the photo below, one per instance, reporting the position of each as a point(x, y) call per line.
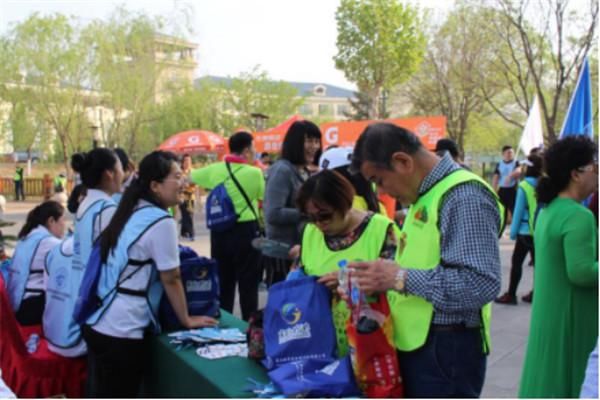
point(468, 276)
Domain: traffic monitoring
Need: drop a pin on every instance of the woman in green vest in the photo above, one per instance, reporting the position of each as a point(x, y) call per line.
point(521, 229)
point(337, 232)
point(564, 315)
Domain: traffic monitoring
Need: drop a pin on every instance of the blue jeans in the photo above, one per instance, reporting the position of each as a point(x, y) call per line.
point(450, 364)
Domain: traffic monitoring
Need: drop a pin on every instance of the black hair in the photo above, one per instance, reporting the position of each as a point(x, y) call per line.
point(448, 145)
point(507, 147)
point(292, 148)
point(123, 157)
point(362, 187)
point(155, 167)
point(560, 160)
point(92, 165)
point(240, 141)
point(535, 169)
point(264, 154)
point(328, 187)
point(73, 201)
point(39, 216)
point(380, 141)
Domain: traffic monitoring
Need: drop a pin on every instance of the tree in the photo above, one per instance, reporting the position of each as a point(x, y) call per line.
point(254, 92)
point(453, 72)
point(552, 40)
point(380, 44)
point(126, 72)
point(49, 63)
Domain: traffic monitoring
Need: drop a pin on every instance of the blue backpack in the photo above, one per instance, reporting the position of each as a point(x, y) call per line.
point(298, 323)
point(88, 301)
point(220, 212)
point(200, 279)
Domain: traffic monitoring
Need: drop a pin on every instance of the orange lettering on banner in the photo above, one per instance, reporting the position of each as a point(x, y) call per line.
point(346, 133)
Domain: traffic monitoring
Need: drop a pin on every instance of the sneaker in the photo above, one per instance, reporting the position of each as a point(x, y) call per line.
point(528, 298)
point(506, 298)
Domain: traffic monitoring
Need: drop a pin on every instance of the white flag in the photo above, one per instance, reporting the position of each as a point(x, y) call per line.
point(533, 134)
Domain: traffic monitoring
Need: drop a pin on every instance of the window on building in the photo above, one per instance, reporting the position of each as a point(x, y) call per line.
point(325, 109)
point(343, 109)
point(320, 90)
point(305, 109)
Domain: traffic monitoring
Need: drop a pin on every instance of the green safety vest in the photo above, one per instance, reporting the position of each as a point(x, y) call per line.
point(60, 181)
point(531, 202)
point(319, 260)
point(18, 174)
point(419, 248)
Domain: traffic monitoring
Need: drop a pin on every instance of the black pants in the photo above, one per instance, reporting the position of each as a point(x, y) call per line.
point(238, 264)
point(115, 365)
point(507, 196)
point(523, 245)
point(19, 190)
point(187, 220)
point(31, 310)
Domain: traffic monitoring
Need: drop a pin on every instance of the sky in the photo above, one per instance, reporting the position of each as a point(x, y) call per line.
point(292, 40)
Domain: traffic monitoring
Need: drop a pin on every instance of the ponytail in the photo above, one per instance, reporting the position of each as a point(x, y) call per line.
point(155, 167)
point(39, 216)
point(546, 190)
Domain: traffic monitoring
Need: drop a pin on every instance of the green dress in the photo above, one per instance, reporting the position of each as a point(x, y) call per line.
point(564, 316)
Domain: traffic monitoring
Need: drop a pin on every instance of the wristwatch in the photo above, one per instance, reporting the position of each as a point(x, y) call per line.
point(400, 280)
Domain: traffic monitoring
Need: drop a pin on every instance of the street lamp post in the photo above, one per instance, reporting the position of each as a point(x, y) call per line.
point(95, 135)
point(260, 121)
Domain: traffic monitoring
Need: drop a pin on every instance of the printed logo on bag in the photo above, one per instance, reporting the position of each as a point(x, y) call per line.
point(201, 273)
point(330, 369)
point(204, 285)
point(291, 314)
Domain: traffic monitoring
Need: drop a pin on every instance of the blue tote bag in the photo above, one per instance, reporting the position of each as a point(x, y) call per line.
point(297, 322)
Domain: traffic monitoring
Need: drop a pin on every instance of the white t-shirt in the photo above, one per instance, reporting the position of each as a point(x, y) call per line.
point(81, 348)
point(37, 281)
point(91, 197)
point(128, 316)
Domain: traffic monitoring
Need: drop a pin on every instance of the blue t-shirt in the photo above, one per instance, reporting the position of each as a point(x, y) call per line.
point(504, 169)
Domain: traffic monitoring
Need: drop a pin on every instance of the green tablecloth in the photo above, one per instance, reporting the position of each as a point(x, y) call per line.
point(183, 373)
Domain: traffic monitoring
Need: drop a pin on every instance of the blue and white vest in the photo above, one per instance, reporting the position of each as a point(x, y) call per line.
point(20, 267)
point(113, 280)
point(84, 237)
point(61, 292)
point(505, 169)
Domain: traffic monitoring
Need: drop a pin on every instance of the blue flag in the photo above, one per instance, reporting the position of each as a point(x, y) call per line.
point(579, 119)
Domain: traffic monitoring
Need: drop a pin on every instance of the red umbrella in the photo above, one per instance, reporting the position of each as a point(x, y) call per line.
point(194, 141)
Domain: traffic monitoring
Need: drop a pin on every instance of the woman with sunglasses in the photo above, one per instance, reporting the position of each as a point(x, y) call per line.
point(564, 315)
point(337, 232)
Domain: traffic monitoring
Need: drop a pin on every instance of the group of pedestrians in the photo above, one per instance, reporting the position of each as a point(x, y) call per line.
point(440, 271)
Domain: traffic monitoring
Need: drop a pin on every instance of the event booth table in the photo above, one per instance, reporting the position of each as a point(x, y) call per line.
point(173, 373)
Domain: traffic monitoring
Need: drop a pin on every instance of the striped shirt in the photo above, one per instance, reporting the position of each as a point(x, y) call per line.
point(468, 276)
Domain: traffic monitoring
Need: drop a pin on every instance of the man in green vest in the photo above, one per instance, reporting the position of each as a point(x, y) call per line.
point(447, 271)
point(19, 181)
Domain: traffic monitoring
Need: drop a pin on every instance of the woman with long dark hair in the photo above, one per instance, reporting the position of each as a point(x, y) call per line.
point(101, 175)
point(564, 315)
point(301, 149)
point(26, 287)
point(139, 249)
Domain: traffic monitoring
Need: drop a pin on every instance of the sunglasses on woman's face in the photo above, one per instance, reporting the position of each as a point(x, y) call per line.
point(321, 216)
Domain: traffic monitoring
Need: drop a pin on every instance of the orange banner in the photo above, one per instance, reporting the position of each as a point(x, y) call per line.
point(346, 133)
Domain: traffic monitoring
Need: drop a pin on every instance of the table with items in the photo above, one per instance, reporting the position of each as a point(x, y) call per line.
point(181, 366)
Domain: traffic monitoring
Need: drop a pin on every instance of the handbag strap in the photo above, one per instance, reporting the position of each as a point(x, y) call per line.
point(241, 189)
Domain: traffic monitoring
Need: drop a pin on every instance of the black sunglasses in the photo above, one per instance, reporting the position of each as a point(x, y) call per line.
point(321, 216)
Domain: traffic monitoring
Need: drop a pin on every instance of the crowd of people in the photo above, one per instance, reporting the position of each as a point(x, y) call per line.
point(439, 265)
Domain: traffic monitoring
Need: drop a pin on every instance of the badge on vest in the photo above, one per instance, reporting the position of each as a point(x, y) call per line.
point(421, 216)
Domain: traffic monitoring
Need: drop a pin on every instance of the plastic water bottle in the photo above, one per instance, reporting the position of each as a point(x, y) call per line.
point(343, 276)
point(32, 343)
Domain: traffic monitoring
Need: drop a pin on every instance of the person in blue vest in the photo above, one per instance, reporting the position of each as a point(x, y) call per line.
point(26, 286)
point(101, 175)
point(505, 180)
point(140, 258)
point(521, 229)
point(128, 172)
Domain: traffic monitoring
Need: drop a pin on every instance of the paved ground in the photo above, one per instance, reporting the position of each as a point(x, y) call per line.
point(510, 324)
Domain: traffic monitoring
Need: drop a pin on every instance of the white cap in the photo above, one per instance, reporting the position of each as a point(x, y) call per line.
point(336, 157)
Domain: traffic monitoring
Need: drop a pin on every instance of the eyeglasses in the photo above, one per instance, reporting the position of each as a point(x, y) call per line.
point(321, 216)
point(589, 167)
